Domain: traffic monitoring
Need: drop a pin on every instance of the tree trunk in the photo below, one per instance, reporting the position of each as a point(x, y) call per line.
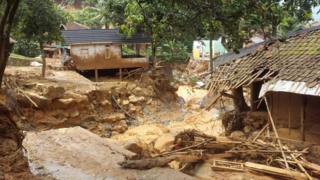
point(254, 95)
point(210, 53)
point(239, 101)
point(5, 28)
point(43, 58)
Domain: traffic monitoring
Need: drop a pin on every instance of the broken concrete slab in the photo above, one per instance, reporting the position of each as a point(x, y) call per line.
point(75, 153)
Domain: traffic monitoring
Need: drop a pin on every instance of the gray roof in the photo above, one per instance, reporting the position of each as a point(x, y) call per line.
point(101, 36)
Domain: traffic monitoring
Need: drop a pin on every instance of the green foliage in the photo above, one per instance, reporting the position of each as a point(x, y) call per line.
point(88, 16)
point(39, 21)
point(26, 48)
point(173, 51)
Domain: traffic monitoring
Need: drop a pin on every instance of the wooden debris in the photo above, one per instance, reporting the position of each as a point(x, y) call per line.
point(227, 165)
point(284, 173)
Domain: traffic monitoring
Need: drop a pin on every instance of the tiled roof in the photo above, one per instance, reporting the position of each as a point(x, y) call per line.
point(295, 59)
point(101, 36)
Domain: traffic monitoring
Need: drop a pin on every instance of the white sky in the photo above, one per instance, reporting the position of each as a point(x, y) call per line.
point(316, 16)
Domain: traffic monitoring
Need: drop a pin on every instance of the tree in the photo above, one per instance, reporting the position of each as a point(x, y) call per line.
point(40, 21)
point(8, 11)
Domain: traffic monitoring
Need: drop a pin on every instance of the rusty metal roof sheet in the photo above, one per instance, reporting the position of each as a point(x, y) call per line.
point(101, 35)
point(290, 87)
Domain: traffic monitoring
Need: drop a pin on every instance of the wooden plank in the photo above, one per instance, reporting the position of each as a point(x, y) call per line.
point(221, 165)
point(285, 173)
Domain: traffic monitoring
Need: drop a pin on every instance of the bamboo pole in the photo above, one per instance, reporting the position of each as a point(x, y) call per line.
point(276, 134)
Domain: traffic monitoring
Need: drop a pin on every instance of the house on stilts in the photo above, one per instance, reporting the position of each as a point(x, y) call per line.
point(96, 49)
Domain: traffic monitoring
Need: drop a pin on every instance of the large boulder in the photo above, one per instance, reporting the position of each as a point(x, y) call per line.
point(75, 153)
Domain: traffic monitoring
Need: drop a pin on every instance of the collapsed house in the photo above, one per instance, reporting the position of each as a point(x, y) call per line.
point(284, 73)
point(94, 49)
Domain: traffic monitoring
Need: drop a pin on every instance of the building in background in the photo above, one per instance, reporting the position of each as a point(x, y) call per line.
point(201, 49)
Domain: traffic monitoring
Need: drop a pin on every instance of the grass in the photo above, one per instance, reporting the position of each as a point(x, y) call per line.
point(21, 58)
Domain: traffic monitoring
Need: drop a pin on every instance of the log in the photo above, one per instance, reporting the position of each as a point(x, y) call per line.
point(158, 161)
point(284, 173)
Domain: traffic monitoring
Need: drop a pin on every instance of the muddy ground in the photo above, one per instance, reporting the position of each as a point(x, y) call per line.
point(149, 109)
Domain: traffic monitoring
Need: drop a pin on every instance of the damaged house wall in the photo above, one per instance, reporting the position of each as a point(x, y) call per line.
point(93, 49)
point(103, 56)
point(287, 109)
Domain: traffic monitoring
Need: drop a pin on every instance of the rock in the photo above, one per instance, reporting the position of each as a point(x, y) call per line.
point(133, 146)
point(115, 117)
point(135, 99)
point(74, 114)
point(125, 102)
point(164, 142)
point(54, 92)
point(131, 86)
point(79, 98)
point(247, 129)
point(149, 101)
point(237, 135)
point(40, 101)
point(105, 102)
point(75, 153)
point(104, 130)
point(132, 108)
point(66, 102)
point(138, 91)
point(120, 126)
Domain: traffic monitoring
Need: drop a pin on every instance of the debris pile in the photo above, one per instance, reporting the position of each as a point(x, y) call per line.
point(243, 125)
point(262, 154)
point(64, 100)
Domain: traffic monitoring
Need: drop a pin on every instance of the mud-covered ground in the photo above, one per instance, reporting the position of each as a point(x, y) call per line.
point(149, 108)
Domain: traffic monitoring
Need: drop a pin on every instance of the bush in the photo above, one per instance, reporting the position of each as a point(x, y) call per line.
point(26, 48)
point(173, 51)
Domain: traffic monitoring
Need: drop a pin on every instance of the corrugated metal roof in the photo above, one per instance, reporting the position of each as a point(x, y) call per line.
point(290, 87)
point(101, 35)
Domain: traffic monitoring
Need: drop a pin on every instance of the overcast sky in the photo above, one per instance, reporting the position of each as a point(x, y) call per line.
point(316, 16)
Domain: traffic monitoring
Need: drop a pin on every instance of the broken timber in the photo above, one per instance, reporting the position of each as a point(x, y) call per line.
point(285, 173)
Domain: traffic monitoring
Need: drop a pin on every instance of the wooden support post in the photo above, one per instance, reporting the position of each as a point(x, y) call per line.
point(302, 119)
point(120, 72)
point(289, 115)
point(96, 75)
